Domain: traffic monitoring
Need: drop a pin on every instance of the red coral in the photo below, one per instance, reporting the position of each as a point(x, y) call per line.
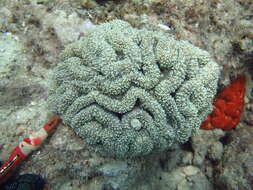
point(228, 106)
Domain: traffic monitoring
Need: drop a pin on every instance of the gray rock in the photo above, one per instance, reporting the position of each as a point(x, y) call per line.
point(207, 143)
point(186, 178)
point(236, 168)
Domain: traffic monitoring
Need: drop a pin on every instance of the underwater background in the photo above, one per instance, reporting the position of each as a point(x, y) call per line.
point(33, 35)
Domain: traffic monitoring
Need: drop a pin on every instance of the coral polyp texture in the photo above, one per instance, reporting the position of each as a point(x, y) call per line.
point(130, 92)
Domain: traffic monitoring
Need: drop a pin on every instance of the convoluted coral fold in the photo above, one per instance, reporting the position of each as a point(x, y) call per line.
point(129, 92)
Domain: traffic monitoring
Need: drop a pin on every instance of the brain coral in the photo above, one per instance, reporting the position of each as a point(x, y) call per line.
point(129, 92)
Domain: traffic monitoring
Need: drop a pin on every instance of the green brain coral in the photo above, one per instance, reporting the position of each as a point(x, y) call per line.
point(129, 92)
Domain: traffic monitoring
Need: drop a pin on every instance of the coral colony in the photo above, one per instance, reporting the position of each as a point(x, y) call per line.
point(130, 92)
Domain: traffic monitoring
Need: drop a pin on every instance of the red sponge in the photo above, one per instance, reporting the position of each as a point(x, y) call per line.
point(228, 106)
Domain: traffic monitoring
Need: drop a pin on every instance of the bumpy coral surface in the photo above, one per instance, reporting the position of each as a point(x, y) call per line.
point(130, 92)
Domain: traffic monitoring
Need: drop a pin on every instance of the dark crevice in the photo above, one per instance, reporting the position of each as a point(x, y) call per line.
point(119, 115)
point(154, 47)
point(141, 70)
point(120, 54)
point(225, 140)
point(139, 43)
point(159, 66)
point(138, 103)
point(151, 114)
point(173, 94)
point(187, 146)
